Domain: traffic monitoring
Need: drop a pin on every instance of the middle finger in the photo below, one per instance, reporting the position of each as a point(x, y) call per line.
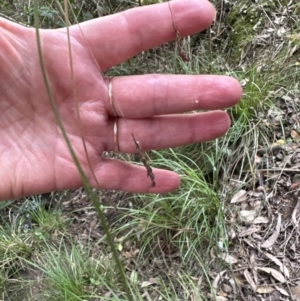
point(150, 95)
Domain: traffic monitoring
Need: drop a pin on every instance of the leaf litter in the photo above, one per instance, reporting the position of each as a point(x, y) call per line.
point(263, 217)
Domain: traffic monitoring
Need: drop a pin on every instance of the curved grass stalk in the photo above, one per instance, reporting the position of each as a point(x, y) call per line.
point(65, 13)
point(87, 186)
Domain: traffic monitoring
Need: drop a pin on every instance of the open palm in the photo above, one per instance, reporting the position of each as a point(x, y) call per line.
point(34, 156)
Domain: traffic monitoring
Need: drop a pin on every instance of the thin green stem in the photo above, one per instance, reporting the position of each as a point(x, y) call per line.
point(109, 236)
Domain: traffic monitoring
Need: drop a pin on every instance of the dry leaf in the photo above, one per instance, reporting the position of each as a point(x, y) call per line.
point(130, 254)
point(265, 290)
point(249, 231)
point(296, 213)
point(295, 292)
point(277, 275)
point(228, 258)
point(222, 293)
point(227, 288)
point(247, 216)
point(250, 280)
point(151, 281)
point(282, 291)
point(278, 142)
point(239, 197)
point(274, 296)
point(217, 279)
point(261, 220)
point(272, 239)
point(237, 280)
point(146, 283)
point(233, 285)
point(294, 186)
point(295, 135)
point(282, 267)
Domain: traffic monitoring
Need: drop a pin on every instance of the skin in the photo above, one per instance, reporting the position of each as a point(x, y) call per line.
point(34, 157)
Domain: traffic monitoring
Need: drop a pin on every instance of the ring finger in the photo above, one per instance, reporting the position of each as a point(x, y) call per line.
point(166, 131)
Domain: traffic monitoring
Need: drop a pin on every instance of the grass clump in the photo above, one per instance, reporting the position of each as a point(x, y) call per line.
point(74, 273)
point(256, 95)
point(180, 225)
point(15, 245)
point(47, 222)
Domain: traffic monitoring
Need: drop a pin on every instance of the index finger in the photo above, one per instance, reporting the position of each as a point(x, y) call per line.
point(116, 38)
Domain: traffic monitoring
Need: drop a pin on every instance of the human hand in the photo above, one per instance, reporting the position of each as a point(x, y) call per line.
point(34, 156)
